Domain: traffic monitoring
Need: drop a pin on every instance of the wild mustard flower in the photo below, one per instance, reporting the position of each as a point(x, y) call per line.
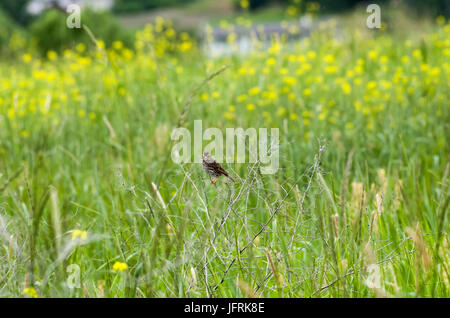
point(117, 45)
point(81, 234)
point(30, 291)
point(244, 4)
point(119, 267)
point(271, 61)
point(52, 55)
point(440, 20)
point(253, 91)
point(332, 69)
point(241, 98)
point(289, 80)
point(281, 111)
point(24, 133)
point(27, 58)
point(346, 88)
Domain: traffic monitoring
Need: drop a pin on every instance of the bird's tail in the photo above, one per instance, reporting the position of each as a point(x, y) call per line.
point(231, 178)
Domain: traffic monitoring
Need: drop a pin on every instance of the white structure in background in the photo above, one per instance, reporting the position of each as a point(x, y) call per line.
point(215, 41)
point(36, 7)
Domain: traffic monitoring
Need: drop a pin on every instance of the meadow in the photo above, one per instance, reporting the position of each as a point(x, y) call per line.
point(91, 204)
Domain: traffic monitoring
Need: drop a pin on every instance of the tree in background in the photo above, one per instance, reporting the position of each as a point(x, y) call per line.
point(431, 6)
point(48, 34)
point(16, 9)
point(139, 5)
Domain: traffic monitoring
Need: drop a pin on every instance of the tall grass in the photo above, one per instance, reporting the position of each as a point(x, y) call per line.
point(358, 207)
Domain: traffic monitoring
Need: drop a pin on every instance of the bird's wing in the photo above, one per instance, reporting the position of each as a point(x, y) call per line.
point(220, 169)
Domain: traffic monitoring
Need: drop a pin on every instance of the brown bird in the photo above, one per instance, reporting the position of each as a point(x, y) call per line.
point(213, 168)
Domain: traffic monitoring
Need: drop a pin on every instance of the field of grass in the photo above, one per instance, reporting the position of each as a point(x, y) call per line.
point(358, 207)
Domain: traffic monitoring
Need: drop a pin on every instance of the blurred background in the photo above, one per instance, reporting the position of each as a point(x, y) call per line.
point(36, 24)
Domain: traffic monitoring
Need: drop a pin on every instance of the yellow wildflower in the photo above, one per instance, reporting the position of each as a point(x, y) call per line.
point(30, 291)
point(253, 91)
point(119, 267)
point(79, 234)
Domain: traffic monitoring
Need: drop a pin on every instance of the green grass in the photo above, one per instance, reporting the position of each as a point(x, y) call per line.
point(84, 144)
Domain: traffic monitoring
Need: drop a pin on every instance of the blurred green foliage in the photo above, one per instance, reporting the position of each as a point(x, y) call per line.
point(16, 10)
point(123, 6)
point(435, 7)
point(12, 36)
point(51, 33)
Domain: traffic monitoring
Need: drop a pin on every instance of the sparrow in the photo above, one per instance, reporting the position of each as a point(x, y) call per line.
point(213, 168)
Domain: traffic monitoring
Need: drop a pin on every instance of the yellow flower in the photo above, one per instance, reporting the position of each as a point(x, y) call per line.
point(30, 291)
point(440, 20)
point(24, 134)
point(373, 55)
point(101, 44)
point(253, 91)
point(281, 111)
point(311, 55)
point(250, 107)
point(170, 33)
point(215, 95)
point(119, 267)
point(117, 45)
point(241, 98)
point(204, 96)
point(331, 69)
point(122, 91)
point(328, 58)
point(307, 91)
point(81, 47)
point(52, 55)
point(435, 71)
point(271, 61)
point(346, 88)
point(322, 115)
point(231, 38)
point(26, 58)
point(185, 46)
point(371, 85)
point(228, 115)
point(417, 53)
point(275, 48)
point(244, 4)
point(293, 116)
point(290, 80)
point(79, 234)
point(349, 126)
